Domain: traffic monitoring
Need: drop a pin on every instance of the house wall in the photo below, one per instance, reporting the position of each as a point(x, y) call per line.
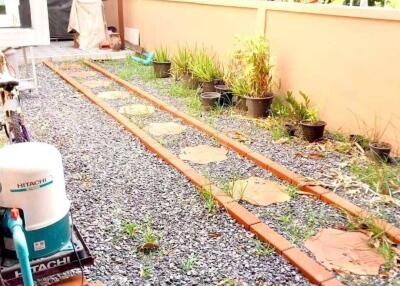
point(111, 12)
point(345, 58)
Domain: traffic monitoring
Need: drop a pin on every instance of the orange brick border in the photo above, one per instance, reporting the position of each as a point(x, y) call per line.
point(278, 170)
point(311, 269)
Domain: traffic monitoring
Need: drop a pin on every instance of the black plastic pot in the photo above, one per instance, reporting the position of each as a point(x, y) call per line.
point(313, 131)
point(162, 69)
point(380, 150)
point(209, 100)
point(259, 106)
point(226, 98)
point(207, 86)
point(290, 129)
point(189, 81)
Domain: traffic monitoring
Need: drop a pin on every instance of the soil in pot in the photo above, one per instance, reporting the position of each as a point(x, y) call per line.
point(258, 106)
point(209, 99)
point(313, 131)
point(189, 81)
point(226, 98)
point(207, 86)
point(162, 69)
point(219, 81)
point(380, 150)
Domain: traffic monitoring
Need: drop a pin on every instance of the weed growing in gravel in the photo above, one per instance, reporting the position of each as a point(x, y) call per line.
point(380, 177)
point(146, 271)
point(130, 228)
point(292, 191)
point(229, 282)
point(209, 201)
point(194, 105)
point(296, 230)
point(261, 249)
point(190, 263)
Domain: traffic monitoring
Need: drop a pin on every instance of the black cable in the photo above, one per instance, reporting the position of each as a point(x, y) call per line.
point(73, 246)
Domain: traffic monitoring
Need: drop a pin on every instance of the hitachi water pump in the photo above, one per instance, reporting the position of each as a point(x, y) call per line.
point(36, 224)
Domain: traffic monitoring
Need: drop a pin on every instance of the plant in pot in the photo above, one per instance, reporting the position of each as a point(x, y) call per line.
point(205, 69)
point(301, 112)
point(161, 63)
point(180, 67)
point(380, 149)
point(252, 77)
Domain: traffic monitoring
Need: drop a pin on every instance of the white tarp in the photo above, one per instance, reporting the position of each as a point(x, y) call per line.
point(87, 18)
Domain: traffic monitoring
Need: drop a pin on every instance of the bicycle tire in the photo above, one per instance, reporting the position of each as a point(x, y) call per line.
point(16, 128)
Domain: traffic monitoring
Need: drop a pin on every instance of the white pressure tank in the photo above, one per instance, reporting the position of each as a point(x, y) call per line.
point(32, 179)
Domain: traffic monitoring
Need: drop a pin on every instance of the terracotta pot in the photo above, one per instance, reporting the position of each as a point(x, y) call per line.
point(209, 99)
point(226, 98)
point(189, 81)
point(380, 150)
point(162, 69)
point(115, 42)
point(259, 106)
point(313, 131)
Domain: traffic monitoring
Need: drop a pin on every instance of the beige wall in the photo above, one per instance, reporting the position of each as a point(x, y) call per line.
point(346, 59)
point(111, 12)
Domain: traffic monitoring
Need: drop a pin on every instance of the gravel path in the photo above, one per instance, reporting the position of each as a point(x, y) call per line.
point(285, 154)
point(112, 179)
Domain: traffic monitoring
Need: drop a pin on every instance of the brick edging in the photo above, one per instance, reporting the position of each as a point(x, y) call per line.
point(310, 268)
point(276, 169)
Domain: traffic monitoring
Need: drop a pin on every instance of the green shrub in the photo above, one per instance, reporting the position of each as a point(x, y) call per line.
point(204, 67)
point(161, 55)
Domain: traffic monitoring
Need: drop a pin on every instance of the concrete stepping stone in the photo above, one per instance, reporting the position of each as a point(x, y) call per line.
point(203, 154)
point(345, 251)
point(165, 128)
point(96, 83)
point(137, 110)
point(258, 191)
point(115, 94)
point(82, 74)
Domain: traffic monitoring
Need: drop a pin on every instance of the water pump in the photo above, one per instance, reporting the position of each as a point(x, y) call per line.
point(36, 226)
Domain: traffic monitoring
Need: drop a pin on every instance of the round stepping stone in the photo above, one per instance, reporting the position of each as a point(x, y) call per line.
point(165, 128)
point(115, 94)
point(258, 191)
point(82, 74)
point(137, 109)
point(345, 251)
point(96, 83)
point(203, 154)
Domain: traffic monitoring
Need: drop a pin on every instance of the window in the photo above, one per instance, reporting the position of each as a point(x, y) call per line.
point(15, 14)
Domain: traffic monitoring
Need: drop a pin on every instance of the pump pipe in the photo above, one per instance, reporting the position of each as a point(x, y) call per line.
point(14, 223)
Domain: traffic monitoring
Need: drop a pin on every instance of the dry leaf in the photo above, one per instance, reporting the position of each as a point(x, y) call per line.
point(136, 109)
point(214, 234)
point(114, 94)
point(203, 154)
point(149, 247)
point(259, 191)
point(70, 66)
point(165, 128)
point(237, 135)
point(344, 251)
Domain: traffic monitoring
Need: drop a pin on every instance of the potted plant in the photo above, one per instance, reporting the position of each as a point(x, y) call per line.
point(251, 77)
point(204, 68)
point(180, 67)
point(161, 63)
point(209, 99)
point(226, 93)
point(302, 113)
point(380, 149)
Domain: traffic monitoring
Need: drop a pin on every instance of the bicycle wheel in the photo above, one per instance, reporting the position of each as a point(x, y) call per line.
point(16, 129)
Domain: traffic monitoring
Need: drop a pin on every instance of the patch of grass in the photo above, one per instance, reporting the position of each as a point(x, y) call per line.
point(278, 131)
point(149, 236)
point(209, 201)
point(380, 177)
point(146, 271)
point(228, 282)
point(194, 105)
point(190, 263)
point(261, 249)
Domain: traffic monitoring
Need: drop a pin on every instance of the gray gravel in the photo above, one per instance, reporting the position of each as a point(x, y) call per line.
point(112, 179)
point(284, 154)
